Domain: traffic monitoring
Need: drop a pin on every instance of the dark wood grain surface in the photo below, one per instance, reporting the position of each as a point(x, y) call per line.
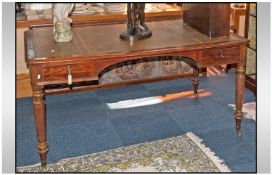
point(212, 19)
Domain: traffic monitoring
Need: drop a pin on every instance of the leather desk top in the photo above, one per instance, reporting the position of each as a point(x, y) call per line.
point(93, 41)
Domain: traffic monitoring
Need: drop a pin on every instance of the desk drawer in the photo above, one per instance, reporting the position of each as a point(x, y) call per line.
point(79, 72)
point(224, 55)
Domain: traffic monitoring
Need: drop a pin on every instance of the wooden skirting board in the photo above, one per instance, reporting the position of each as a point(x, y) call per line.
point(23, 86)
point(251, 84)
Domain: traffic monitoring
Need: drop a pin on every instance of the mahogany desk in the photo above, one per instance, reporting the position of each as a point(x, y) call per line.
point(95, 48)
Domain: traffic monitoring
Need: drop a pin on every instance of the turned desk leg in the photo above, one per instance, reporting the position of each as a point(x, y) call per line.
point(195, 81)
point(39, 112)
point(240, 86)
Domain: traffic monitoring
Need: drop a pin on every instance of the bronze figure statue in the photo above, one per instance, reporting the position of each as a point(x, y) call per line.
point(136, 28)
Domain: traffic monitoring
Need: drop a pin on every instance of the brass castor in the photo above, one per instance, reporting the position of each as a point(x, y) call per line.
point(239, 133)
point(43, 163)
point(196, 96)
point(238, 127)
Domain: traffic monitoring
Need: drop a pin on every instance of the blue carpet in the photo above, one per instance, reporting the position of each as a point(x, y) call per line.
point(82, 123)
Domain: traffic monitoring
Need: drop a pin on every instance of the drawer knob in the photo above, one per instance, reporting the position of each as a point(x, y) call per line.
point(221, 54)
point(70, 81)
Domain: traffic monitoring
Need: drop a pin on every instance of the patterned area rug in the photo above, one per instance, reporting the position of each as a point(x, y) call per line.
point(183, 153)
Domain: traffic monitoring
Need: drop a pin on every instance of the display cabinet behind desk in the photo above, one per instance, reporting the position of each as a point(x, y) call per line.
point(250, 33)
point(152, 14)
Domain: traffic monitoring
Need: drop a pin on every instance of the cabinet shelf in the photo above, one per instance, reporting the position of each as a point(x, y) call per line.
point(108, 18)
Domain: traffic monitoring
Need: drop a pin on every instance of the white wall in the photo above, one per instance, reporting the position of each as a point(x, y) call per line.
point(20, 52)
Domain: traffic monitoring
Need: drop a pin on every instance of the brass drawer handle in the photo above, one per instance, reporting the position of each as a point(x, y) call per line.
point(70, 81)
point(221, 54)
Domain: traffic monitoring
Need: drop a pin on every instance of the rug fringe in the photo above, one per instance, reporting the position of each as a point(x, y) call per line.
point(216, 160)
point(30, 166)
point(198, 141)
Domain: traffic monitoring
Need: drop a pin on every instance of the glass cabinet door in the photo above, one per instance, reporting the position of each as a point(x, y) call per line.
point(251, 59)
point(251, 51)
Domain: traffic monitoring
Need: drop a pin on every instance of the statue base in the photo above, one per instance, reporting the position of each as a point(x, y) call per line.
point(138, 36)
point(62, 32)
point(64, 39)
